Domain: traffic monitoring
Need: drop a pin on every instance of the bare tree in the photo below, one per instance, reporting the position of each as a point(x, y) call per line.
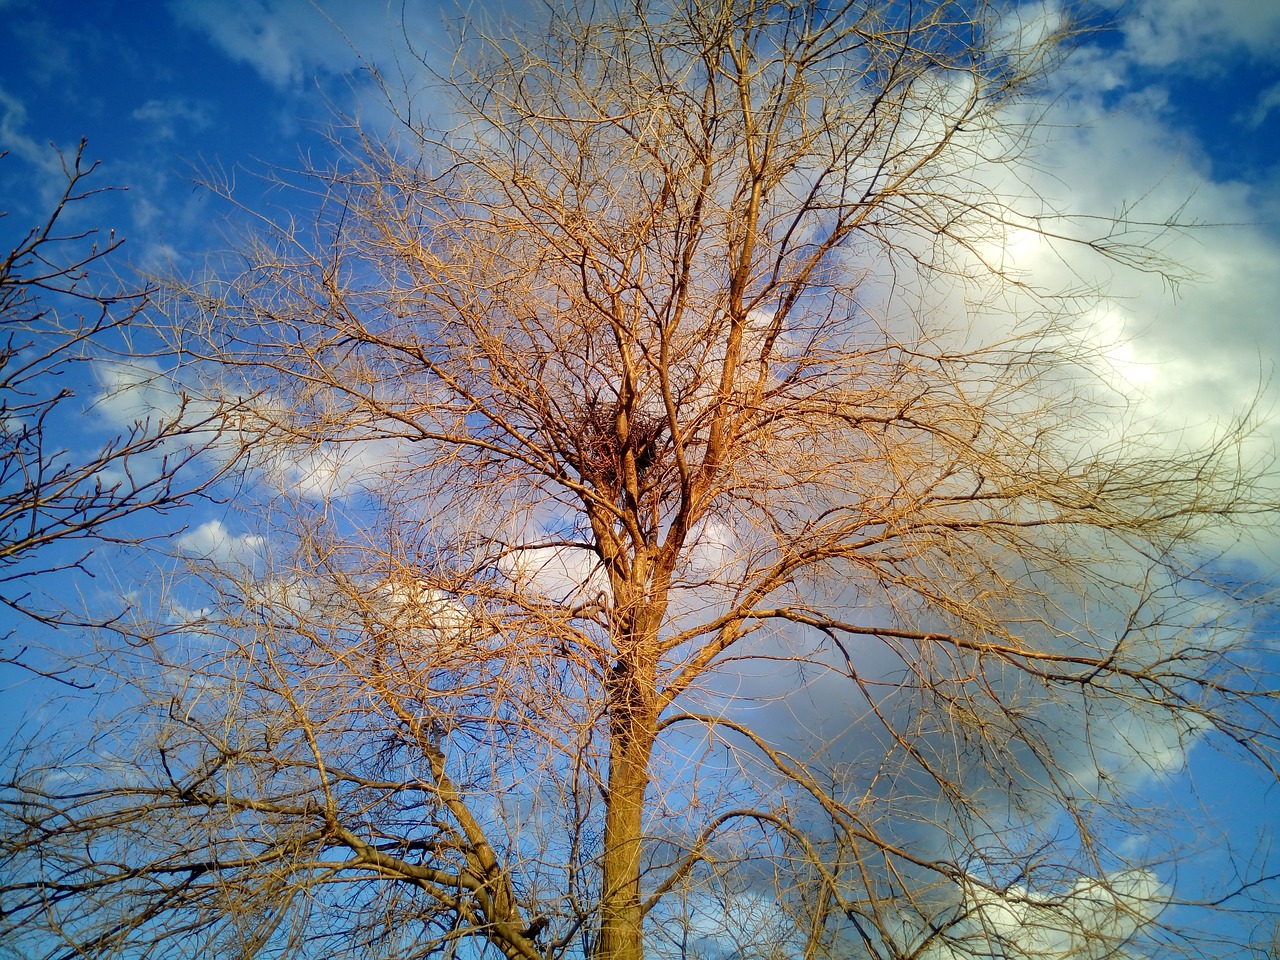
point(656, 567)
point(61, 310)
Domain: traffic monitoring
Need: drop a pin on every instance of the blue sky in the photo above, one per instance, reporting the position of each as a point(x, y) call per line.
point(1174, 109)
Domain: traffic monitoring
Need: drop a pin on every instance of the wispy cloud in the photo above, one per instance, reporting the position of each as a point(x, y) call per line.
point(277, 38)
point(166, 117)
point(290, 42)
point(18, 142)
point(1266, 104)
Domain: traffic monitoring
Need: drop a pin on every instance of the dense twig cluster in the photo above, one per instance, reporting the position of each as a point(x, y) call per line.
point(815, 632)
point(600, 453)
point(61, 310)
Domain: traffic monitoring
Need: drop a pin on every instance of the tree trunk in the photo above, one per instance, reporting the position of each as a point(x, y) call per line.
point(632, 725)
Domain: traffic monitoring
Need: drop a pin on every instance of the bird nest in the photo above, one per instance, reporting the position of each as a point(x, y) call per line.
point(599, 452)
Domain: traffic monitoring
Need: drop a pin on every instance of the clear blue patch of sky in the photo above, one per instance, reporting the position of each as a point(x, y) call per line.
point(1216, 103)
point(1221, 111)
point(149, 94)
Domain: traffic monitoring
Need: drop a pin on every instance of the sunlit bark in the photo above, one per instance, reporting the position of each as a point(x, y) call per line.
point(648, 541)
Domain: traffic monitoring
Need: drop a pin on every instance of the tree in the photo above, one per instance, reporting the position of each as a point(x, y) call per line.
point(655, 567)
point(57, 503)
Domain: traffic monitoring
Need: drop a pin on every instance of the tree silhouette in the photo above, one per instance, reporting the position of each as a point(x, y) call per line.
point(61, 309)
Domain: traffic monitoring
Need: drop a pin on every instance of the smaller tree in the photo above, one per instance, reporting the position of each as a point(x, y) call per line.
point(57, 318)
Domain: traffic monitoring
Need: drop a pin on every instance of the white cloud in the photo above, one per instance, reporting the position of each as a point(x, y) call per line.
point(1187, 359)
point(319, 472)
point(1092, 920)
point(565, 575)
point(1025, 26)
point(140, 398)
point(744, 925)
point(13, 117)
point(1194, 36)
point(283, 40)
point(136, 391)
point(712, 549)
point(214, 542)
point(177, 611)
point(428, 612)
point(14, 140)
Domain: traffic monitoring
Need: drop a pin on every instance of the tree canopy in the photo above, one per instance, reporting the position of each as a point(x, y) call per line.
point(687, 534)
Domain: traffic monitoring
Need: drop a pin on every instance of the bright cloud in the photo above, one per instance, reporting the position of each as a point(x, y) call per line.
point(281, 39)
point(1092, 920)
point(330, 472)
point(136, 391)
point(1189, 359)
point(213, 541)
point(432, 615)
point(571, 576)
point(1196, 35)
